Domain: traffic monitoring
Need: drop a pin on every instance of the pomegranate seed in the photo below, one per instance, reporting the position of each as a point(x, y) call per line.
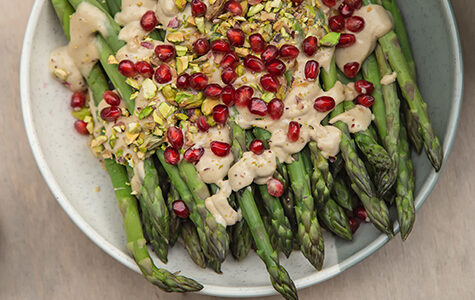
point(276, 67)
point(180, 209)
point(165, 52)
point(235, 37)
point(257, 42)
point(144, 69)
point(243, 95)
point(163, 74)
point(275, 108)
point(364, 87)
point(294, 131)
point(202, 123)
point(193, 155)
point(257, 106)
point(360, 212)
point(175, 137)
point(183, 81)
point(275, 187)
point(228, 76)
point(355, 24)
point(346, 10)
point(220, 114)
point(220, 149)
point(354, 224)
point(254, 63)
point(220, 46)
point(171, 155)
point(81, 127)
point(297, 2)
point(289, 51)
point(346, 40)
point(312, 69)
point(78, 100)
point(356, 4)
point(227, 96)
point(198, 8)
point(270, 83)
point(329, 3)
point(198, 81)
point(310, 45)
point(213, 90)
point(234, 7)
point(111, 113)
point(127, 68)
point(201, 46)
point(257, 147)
point(270, 52)
point(351, 69)
point(324, 104)
point(149, 21)
point(230, 60)
point(111, 98)
point(365, 100)
point(337, 23)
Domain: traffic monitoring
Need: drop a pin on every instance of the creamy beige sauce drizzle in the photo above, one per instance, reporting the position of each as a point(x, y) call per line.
point(358, 118)
point(219, 207)
point(389, 78)
point(252, 168)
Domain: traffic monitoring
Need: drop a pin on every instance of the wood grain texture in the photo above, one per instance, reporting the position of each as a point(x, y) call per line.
point(43, 255)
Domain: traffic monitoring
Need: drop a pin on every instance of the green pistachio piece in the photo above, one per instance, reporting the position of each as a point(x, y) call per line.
point(82, 113)
point(267, 96)
point(169, 93)
point(166, 109)
point(200, 24)
point(255, 9)
point(149, 88)
point(182, 63)
point(208, 105)
point(180, 4)
point(331, 39)
point(176, 37)
point(133, 83)
point(181, 50)
point(145, 112)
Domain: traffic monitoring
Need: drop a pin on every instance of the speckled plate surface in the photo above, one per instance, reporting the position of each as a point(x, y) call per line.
point(83, 189)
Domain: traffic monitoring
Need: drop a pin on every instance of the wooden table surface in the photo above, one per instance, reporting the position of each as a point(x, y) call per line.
point(43, 255)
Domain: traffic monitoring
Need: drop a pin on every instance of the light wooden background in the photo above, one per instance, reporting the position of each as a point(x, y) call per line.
point(43, 255)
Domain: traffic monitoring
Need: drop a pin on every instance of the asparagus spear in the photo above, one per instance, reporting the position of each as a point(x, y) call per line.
point(192, 243)
point(114, 6)
point(175, 222)
point(241, 240)
point(412, 127)
point(342, 194)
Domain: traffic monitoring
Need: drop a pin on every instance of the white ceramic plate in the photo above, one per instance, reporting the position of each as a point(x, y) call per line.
point(74, 175)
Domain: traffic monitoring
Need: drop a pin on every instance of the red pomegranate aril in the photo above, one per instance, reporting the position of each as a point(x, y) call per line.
point(201, 46)
point(346, 10)
point(360, 212)
point(230, 60)
point(270, 83)
point(257, 106)
point(337, 23)
point(220, 46)
point(276, 67)
point(275, 108)
point(257, 42)
point(289, 51)
point(149, 21)
point(163, 74)
point(78, 100)
point(198, 81)
point(175, 137)
point(324, 104)
point(220, 114)
point(227, 96)
point(310, 45)
point(193, 155)
point(312, 69)
point(355, 24)
point(297, 2)
point(213, 90)
point(220, 149)
point(111, 98)
point(293, 133)
point(234, 7)
point(270, 52)
point(364, 87)
point(228, 75)
point(243, 95)
point(356, 4)
point(165, 52)
point(171, 156)
point(198, 8)
point(365, 100)
point(180, 209)
point(81, 127)
point(235, 37)
point(183, 81)
point(127, 68)
point(351, 69)
point(257, 147)
point(275, 187)
point(202, 123)
point(254, 63)
point(354, 224)
point(329, 3)
point(346, 40)
point(144, 69)
point(111, 113)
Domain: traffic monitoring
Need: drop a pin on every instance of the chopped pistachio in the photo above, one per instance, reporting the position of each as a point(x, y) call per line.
point(98, 141)
point(166, 109)
point(192, 102)
point(131, 137)
point(200, 24)
point(90, 127)
point(82, 113)
point(145, 112)
point(268, 6)
point(267, 96)
point(255, 9)
point(182, 63)
point(190, 22)
point(134, 95)
point(149, 88)
point(330, 40)
point(180, 4)
point(111, 60)
point(210, 120)
point(158, 119)
point(133, 127)
point(208, 105)
point(242, 52)
point(133, 83)
point(240, 70)
point(61, 74)
point(112, 140)
point(181, 116)
point(182, 96)
point(181, 50)
point(176, 37)
point(169, 93)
